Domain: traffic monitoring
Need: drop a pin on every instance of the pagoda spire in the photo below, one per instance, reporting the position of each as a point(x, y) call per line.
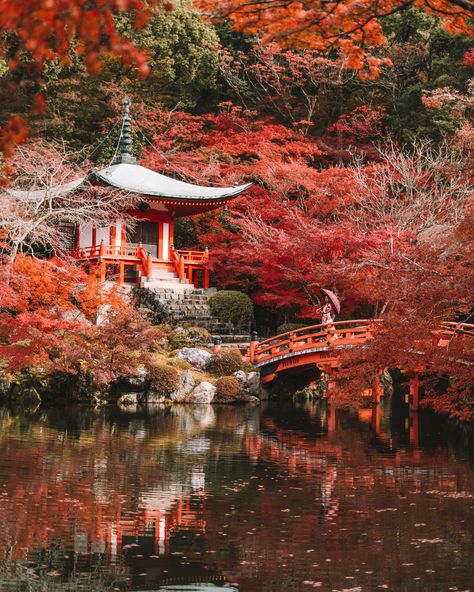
point(125, 142)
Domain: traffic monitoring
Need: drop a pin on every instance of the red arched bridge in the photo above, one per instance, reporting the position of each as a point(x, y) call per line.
point(319, 346)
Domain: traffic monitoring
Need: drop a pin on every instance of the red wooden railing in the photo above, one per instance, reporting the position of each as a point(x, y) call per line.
point(104, 250)
point(294, 342)
point(187, 263)
point(450, 329)
point(342, 333)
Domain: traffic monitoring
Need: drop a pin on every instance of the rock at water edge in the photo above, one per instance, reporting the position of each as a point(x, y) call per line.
point(203, 394)
point(198, 358)
point(187, 383)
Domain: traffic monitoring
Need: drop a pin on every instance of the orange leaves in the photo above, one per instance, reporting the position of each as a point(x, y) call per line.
point(12, 133)
point(47, 319)
point(47, 30)
point(352, 25)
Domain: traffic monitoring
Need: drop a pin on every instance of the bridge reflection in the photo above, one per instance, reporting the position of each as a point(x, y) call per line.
point(197, 494)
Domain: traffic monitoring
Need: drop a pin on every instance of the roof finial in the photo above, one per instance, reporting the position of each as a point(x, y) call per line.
point(125, 141)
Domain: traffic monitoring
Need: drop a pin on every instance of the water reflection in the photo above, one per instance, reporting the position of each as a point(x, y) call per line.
point(279, 498)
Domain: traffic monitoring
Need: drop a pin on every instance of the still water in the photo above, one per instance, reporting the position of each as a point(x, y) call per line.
point(275, 498)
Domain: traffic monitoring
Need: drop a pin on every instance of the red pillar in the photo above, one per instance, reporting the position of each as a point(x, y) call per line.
point(149, 266)
point(112, 236)
point(121, 276)
point(205, 279)
point(414, 420)
point(102, 249)
point(414, 393)
point(252, 347)
point(181, 268)
point(377, 389)
point(376, 417)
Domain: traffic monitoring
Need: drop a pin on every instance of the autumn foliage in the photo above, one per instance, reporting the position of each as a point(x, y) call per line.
point(54, 318)
point(353, 26)
point(42, 32)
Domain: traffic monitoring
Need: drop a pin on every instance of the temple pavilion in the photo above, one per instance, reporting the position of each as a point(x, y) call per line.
point(146, 251)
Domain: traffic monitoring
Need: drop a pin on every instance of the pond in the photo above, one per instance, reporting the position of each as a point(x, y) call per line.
point(272, 498)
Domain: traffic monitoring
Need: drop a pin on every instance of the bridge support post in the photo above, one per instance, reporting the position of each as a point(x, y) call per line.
point(414, 398)
point(253, 346)
point(414, 427)
point(330, 374)
point(216, 344)
point(377, 389)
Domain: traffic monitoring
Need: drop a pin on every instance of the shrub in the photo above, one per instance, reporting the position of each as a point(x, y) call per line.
point(225, 362)
point(189, 337)
point(286, 327)
point(228, 389)
point(178, 363)
point(150, 306)
point(164, 379)
point(233, 307)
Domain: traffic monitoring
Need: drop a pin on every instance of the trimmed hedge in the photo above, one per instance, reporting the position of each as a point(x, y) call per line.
point(286, 327)
point(228, 389)
point(226, 362)
point(164, 379)
point(232, 307)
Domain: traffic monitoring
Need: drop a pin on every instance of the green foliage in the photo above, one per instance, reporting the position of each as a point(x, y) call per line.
point(179, 363)
point(163, 378)
point(226, 362)
point(425, 57)
point(189, 337)
point(286, 327)
point(182, 56)
point(185, 233)
point(230, 306)
point(228, 389)
point(150, 307)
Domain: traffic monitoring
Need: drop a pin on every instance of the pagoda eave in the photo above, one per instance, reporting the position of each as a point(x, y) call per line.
point(179, 208)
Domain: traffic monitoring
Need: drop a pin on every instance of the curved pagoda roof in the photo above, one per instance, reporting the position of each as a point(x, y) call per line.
point(134, 178)
point(179, 198)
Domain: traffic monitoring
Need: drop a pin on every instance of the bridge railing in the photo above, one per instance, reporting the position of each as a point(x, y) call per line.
point(339, 333)
point(451, 328)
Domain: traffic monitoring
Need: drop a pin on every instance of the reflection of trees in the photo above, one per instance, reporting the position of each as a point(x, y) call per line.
point(103, 462)
point(103, 494)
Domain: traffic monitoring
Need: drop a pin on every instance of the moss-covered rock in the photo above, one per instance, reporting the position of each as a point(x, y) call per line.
point(189, 337)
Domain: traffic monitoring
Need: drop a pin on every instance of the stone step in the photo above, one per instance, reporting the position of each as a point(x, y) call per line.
point(189, 309)
point(163, 285)
point(159, 274)
point(227, 338)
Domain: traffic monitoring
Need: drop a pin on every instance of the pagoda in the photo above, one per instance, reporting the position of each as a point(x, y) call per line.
point(145, 251)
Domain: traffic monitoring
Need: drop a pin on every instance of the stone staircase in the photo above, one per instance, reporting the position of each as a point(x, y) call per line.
point(189, 306)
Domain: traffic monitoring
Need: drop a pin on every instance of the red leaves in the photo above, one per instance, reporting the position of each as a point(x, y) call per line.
point(352, 25)
point(48, 30)
point(12, 133)
point(48, 321)
point(469, 58)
